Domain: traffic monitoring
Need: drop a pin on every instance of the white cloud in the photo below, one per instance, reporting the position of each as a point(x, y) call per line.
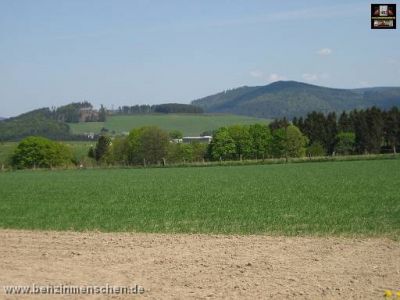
point(275, 77)
point(324, 51)
point(310, 77)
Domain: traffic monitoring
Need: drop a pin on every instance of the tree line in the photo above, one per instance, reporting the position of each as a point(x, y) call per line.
point(50, 122)
point(167, 108)
point(147, 145)
point(367, 131)
point(355, 132)
point(152, 145)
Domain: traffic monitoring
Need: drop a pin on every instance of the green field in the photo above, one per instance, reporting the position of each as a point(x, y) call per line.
point(360, 198)
point(189, 124)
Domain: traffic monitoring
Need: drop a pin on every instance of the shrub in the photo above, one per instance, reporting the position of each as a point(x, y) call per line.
point(316, 149)
point(345, 143)
point(39, 152)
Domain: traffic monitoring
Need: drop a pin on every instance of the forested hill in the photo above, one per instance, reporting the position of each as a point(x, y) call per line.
point(37, 122)
point(293, 99)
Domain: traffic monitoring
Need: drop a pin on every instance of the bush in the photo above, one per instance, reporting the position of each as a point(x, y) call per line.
point(316, 149)
point(102, 150)
point(39, 152)
point(345, 143)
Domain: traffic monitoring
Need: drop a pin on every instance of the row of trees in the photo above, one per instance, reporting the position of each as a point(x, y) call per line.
point(50, 122)
point(355, 132)
point(256, 141)
point(79, 111)
point(152, 145)
point(145, 145)
point(160, 108)
point(363, 131)
point(71, 113)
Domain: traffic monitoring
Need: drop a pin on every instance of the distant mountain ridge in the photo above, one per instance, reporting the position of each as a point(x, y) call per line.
point(293, 99)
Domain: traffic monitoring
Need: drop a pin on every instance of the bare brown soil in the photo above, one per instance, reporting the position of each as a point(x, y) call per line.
point(201, 266)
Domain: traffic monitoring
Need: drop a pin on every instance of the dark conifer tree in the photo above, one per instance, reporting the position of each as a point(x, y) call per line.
point(345, 123)
point(330, 132)
point(374, 119)
point(392, 128)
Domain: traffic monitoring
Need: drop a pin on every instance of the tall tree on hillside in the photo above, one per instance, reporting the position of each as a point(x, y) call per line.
point(260, 140)
point(278, 143)
point(345, 123)
point(134, 147)
point(119, 150)
point(242, 139)
point(102, 114)
point(102, 149)
point(314, 128)
point(345, 143)
point(153, 143)
point(299, 123)
point(222, 145)
point(374, 119)
point(147, 145)
point(278, 123)
point(296, 142)
point(361, 131)
point(392, 128)
point(330, 132)
point(369, 130)
point(288, 142)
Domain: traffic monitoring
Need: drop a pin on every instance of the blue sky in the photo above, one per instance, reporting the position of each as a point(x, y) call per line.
point(147, 52)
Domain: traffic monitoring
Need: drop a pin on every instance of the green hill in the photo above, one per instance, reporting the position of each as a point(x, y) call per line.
point(189, 124)
point(293, 99)
point(37, 122)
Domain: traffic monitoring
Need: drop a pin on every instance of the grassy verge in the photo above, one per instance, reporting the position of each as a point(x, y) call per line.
point(357, 198)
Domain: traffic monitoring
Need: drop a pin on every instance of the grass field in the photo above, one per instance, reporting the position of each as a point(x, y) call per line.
point(189, 124)
point(358, 198)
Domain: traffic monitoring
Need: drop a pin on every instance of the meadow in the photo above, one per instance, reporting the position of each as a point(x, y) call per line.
point(188, 124)
point(350, 198)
